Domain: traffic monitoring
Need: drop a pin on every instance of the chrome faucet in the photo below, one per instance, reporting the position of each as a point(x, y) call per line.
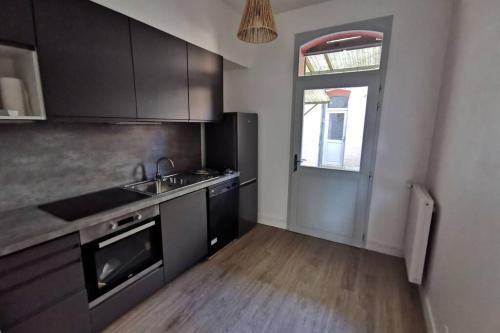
point(158, 174)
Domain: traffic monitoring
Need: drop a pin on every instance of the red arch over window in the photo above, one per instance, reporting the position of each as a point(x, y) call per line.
point(338, 93)
point(346, 39)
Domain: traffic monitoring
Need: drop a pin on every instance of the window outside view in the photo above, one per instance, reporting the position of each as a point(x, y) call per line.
point(344, 61)
point(332, 128)
point(343, 52)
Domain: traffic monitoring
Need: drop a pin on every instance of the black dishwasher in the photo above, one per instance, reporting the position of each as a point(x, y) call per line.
point(223, 201)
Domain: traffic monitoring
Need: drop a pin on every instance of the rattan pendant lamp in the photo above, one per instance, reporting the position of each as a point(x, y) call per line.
point(257, 23)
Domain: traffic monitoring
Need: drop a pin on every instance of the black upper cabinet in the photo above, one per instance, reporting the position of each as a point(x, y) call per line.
point(85, 59)
point(98, 64)
point(16, 22)
point(160, 66)
point(205, 85)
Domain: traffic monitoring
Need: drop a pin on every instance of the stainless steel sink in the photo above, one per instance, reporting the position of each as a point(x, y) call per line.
point(153, 187)
point(168, 183)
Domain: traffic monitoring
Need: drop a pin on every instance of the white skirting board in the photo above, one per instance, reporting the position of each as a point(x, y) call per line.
point(384, 249)
point(370, 245)
point(427, 310)
point(273, 221)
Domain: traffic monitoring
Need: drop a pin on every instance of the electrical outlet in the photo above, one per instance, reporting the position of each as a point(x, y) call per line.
point(446, 329)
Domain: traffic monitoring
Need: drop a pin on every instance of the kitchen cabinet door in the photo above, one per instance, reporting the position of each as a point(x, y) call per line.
point(160, 66)
point(43, 289)
point(85, 59)
point(184, 232)
point(69, 315)
point(248, 207)
point(16, 22)
point(205, 85)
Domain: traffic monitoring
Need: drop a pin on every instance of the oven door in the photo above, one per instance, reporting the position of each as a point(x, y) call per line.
point(117, 260)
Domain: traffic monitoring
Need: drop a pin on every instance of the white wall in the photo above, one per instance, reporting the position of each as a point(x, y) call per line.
point(355, 128)
point(463, 281)
point(208, 24)
point(411, 96)
point(311, 129)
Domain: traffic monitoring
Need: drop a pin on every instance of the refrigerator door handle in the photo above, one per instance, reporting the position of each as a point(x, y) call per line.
point(248, 182)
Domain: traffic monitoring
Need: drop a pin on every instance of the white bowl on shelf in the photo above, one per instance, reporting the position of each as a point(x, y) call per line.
point(9, 113)
point(14, 96)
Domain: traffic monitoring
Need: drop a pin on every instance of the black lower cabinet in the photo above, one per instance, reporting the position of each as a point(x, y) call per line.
point(69, 315)
point(42, 289)
point(184, 230)
point(108, 311)
point(248, 208)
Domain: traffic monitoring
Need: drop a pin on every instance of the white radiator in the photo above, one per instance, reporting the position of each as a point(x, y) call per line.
point(417, 232)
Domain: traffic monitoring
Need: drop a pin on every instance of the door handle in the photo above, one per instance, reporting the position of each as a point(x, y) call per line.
point(297, 161)
point(126, 234)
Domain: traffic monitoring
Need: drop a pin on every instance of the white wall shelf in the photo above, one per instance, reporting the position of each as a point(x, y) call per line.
point(22, 64)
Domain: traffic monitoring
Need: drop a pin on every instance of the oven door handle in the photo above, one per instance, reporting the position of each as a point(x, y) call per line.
point(126, 234)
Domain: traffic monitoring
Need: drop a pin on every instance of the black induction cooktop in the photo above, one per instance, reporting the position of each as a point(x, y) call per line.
point(89, 204)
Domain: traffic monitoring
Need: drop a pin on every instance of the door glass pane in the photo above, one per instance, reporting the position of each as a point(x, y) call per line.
point(332, 133)
point(119, 261)
point(336, 126)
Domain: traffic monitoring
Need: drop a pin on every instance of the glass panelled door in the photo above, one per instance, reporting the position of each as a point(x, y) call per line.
point(332, 180)
point(335, 124)
point(334, 139)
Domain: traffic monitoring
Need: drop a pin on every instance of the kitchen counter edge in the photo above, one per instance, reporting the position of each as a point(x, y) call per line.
point(29, 226)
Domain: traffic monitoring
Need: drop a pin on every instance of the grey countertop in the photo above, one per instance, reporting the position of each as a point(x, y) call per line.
point(25, 227)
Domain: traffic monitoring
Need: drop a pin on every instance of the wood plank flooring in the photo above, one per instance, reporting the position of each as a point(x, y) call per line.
point(273, 280)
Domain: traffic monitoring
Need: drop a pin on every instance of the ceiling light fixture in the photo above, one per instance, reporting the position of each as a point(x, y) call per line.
point(257, 22)
point(343, 39)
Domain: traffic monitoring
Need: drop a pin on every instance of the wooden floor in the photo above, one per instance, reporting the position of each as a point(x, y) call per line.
point(272, 280)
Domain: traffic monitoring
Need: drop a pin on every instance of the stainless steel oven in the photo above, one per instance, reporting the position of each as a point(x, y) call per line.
point(119, 252)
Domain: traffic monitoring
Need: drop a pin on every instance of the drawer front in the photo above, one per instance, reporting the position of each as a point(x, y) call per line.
point(110, 310)
point(25, 300)
point(69, 315)
point(38, 269)
point(36, 253)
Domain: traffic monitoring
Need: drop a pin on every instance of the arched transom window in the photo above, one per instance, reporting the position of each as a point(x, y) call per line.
point(341, 52)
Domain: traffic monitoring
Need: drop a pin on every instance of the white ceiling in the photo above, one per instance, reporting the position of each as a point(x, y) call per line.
point(279, 6)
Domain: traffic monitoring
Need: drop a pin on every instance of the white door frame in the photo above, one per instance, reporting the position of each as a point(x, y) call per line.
point(370, 78)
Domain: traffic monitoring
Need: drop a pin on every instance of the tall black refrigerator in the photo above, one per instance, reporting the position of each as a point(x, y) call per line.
point(232, 144)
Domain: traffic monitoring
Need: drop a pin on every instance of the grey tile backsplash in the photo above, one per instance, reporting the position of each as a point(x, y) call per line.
point(44, 162)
